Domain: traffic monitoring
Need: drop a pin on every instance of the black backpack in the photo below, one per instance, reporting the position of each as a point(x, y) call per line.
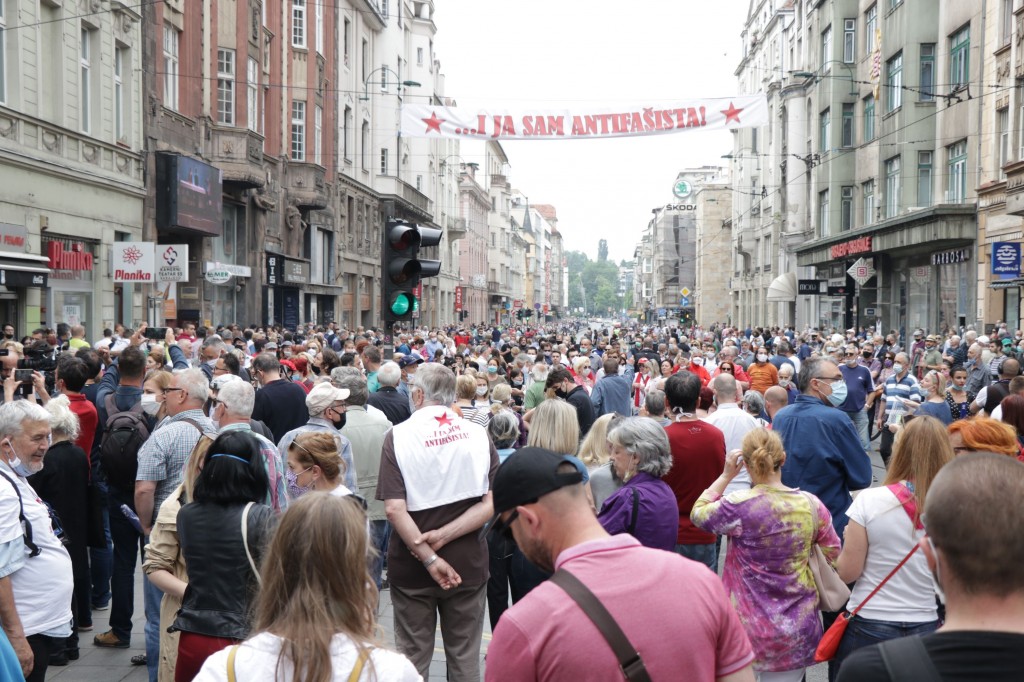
point(124, 433)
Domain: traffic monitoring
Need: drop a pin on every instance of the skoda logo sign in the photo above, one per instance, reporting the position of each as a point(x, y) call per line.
point(1006, 255)
point(682, 189)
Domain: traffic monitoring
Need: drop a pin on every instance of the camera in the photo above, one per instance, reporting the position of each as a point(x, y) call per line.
point(23, 376)
point(4, 352)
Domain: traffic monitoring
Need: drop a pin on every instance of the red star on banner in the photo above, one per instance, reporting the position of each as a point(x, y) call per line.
point(444, 420)
point(731, 114)
point(433, 123)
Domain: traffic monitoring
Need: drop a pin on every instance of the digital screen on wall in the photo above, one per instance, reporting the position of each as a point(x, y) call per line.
point(189, 195)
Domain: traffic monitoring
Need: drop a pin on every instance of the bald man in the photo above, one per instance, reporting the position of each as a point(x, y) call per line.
point(775, 398)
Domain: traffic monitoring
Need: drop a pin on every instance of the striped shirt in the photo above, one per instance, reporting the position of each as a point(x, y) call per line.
point(906, 388)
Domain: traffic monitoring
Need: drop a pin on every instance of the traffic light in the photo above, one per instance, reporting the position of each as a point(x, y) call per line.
point(401, 267)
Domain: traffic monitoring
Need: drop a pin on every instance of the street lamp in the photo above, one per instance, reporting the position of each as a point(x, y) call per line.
point(383, 82)
point(444, 163)
point(816, 76)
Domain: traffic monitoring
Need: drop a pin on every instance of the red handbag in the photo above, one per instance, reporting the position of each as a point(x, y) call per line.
point(829, 643)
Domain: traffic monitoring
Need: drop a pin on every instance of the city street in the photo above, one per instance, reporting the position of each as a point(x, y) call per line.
point(112, 665)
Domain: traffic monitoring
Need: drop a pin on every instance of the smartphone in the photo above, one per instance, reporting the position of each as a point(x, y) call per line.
point(155, 333)
point(23, 375)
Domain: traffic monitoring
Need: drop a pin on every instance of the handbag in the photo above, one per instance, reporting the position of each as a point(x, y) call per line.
point(829, 643)
point(245, 542)
point(357, 671)
point(832, 591)
point(630, 662)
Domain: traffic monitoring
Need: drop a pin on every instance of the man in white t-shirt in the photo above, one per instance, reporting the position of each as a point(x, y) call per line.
point(732, 421)
point(35, 570)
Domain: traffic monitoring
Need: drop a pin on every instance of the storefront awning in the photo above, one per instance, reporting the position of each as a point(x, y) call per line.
point(1007, 283)
point(783, 288)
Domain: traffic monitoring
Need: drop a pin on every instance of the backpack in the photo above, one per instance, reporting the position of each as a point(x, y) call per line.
point(124, 433)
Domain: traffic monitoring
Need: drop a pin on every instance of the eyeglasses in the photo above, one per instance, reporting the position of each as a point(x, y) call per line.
point(215, 402)
point(726, 369)
point(506, 530)
point(219, 370)
point(169, 390)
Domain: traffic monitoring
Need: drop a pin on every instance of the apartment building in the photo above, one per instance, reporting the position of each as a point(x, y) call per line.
point(71, 161)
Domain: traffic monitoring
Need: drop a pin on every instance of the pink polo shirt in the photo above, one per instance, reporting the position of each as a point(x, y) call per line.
point(675, 611)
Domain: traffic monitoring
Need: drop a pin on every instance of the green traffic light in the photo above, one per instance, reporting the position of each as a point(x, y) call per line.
point(402, 304)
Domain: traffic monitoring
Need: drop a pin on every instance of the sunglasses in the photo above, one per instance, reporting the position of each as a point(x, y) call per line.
point(726, 369)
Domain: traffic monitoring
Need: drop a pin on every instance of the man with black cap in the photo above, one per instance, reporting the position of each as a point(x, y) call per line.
point(408, 365)
point(539, 499)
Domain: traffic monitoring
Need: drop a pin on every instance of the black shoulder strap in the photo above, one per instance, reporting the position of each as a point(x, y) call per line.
point(630, 662)
point(906, 658)
point(26, 527)
point(636, 509)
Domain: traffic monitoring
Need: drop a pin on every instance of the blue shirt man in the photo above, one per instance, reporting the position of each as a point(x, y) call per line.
point(858, 385)
point(823, 455)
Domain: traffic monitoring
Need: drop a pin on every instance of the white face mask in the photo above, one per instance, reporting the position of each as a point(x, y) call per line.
point(410, 379)
point(784, 383)
point(22, 468)
point(150, 405)
point(699, 361)
point(761, 357)
point(481, 390)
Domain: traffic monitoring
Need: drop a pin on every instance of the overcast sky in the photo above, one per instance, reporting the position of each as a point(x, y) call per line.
point(566, 52)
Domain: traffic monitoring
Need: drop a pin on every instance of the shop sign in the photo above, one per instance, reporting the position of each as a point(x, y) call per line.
point(235, 270)
point(837, 286)
point(133, 261)
point(809, 287)
point(458, 299)
point(273, 270)
point(13, 237)
point(77, 258)
point(172, 264)
point(1006, 258)
point(921, 274)
point(20, 278)
point(296, 272)
point(218, 275)
point(851, 248)
point(951, 257)
point(862, 270)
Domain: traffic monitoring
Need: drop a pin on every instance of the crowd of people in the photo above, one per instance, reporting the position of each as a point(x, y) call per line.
point(574, 483)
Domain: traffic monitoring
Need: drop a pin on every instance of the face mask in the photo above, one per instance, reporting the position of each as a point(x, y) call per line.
point(20, 467)
point(286, 353)
point(709, 355)
point(492, 370)
point(851, 362)
point(897, 368)
point(517, 382)
point(533, 358)
point(481, 390)
point(838, 395)
point(559, 393)
point(784, 383)
point(761, 357)
point(340, 422)
point(887, 364)
point(867, 355)
point(316, 370)
point(410, 379)
point(8, 336)
point(296, 491)
point(210, 363)
point(150, 405)
point(699, 361)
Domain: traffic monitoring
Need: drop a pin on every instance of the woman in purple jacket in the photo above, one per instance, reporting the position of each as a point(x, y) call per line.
point(645, 506)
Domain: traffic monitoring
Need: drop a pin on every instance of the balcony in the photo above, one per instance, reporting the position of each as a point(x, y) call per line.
point(493, 287)
point(238, 152)
point(456, 228)
point(412, 200)
point(305, 185)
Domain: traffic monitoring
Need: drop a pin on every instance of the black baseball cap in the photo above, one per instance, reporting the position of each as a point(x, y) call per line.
point(526, 476)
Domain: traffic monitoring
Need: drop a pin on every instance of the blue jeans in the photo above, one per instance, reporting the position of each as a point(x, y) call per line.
point(862, 632)
point(101, 560)
point(127, 550)
point(152, 596)
point(381, 530)
point(705, 554)
point(860, 422)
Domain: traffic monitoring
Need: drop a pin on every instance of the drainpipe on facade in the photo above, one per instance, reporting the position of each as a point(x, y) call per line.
point(981, 113)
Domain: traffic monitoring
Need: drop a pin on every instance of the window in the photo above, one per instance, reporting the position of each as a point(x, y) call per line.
point(868, 190)
point(318, 10)
point(956, 192)
point(346, 130)
point(823, 213)
point(849, 40)
point(419, 183)
point(1006, 22)
point(383, 160)
point(384, 8)
point(365, 148)
point(366, 60)
point(924, 179)
point(959, 57)
point(119, 92)
point(252, 95)
point(1003, 132)
point(871, 29)
point(3, 53)
point(894, 81)
point(847, 125)
point(419, 56)
point(846, 210)
point(892, 187)
point(323, 257)
point(826, 49)
point(226, 86)
point(85, 68)
point(347, 40)
point(825, 130)
point(298, 130)
point(893, 4)
point(927, 89)
point(318, 134)
point(869, 118)
point(170, 67)
point(299, 23)
point(766, 259)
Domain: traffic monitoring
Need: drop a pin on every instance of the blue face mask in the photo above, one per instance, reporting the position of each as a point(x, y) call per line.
point(838, 395)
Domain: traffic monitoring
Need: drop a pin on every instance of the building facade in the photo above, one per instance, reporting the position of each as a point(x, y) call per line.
point(71, 162)
point(712, 298)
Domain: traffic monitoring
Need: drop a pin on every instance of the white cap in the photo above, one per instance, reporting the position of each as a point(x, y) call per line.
point(323, 395)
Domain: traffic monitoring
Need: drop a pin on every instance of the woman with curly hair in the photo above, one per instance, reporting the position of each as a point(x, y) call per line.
point(982, 434)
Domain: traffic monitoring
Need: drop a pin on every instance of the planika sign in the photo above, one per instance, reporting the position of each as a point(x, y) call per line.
point(539, 123)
